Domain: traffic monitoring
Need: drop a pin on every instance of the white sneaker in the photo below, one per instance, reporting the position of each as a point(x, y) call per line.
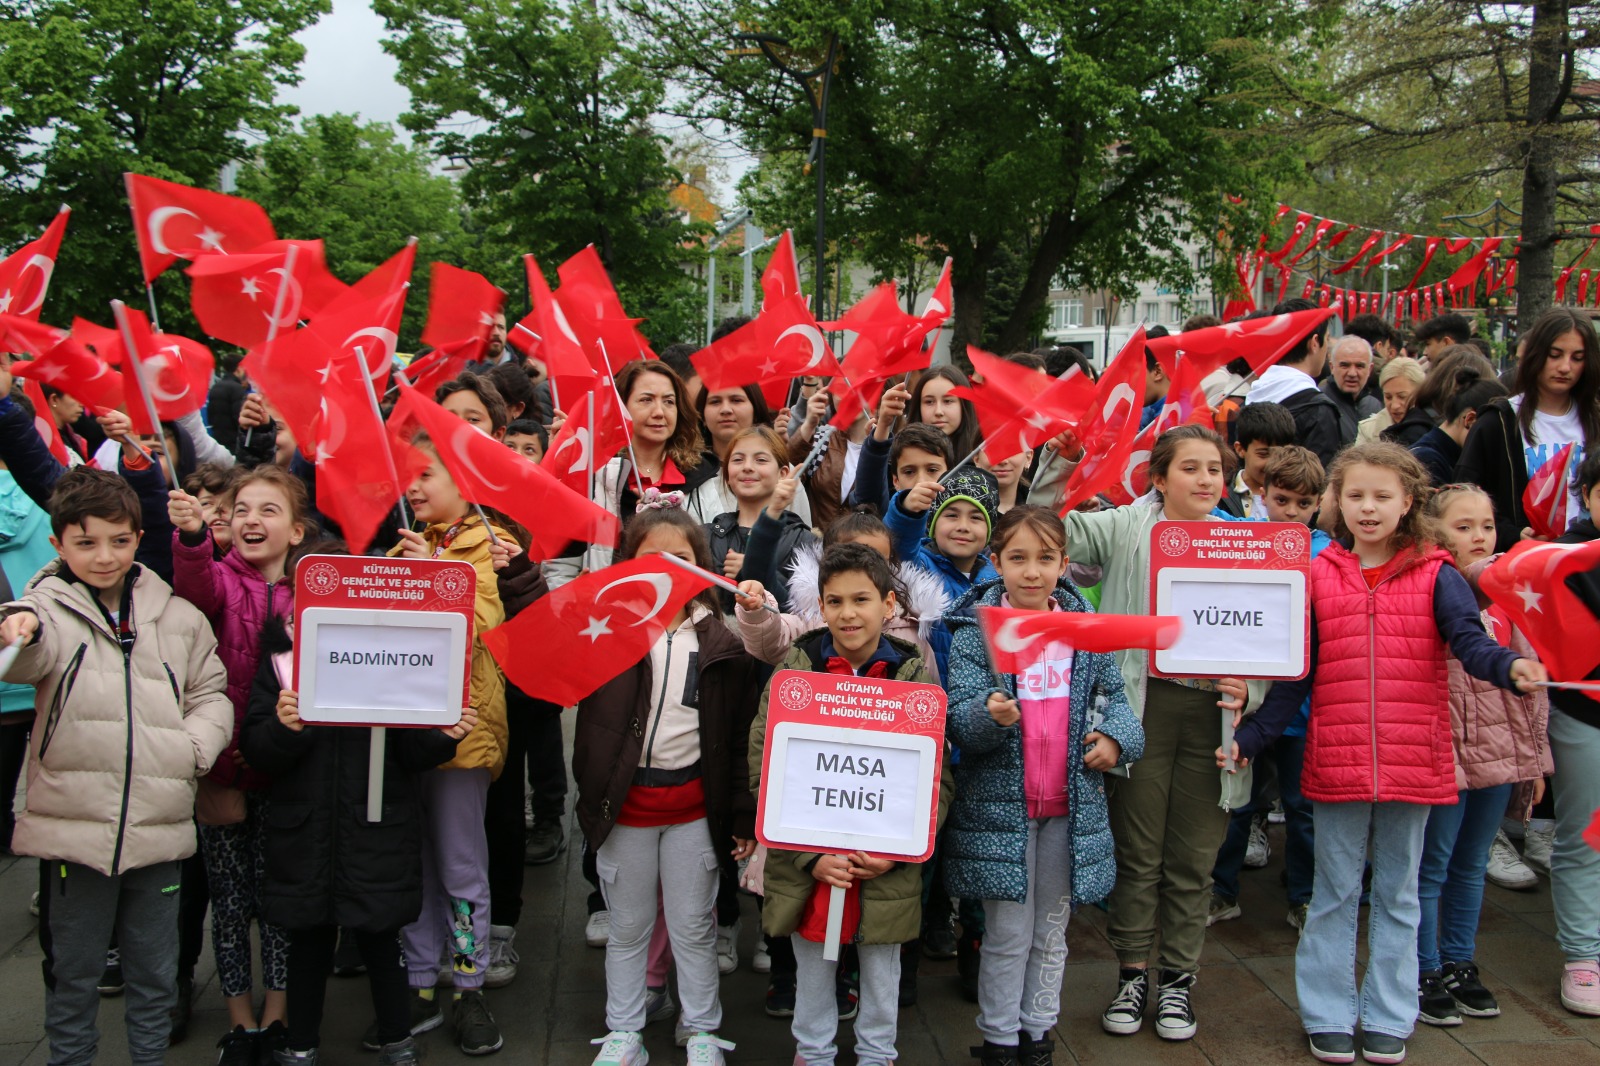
point(1506, 867)
point(1258, 851)
point(761, 962)
point(706, 1049)
point(727, 949)
point(1276, 816)
point(621, 1049)
point(503, 957)
point(1537, 846)
point(597, 932)
point(658, 1005)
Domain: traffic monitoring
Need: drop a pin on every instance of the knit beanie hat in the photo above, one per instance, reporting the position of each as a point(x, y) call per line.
point(973, 485)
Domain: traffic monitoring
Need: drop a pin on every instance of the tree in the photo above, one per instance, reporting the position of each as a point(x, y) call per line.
point(1092, 138)
point(92, 88)
point(556, 139)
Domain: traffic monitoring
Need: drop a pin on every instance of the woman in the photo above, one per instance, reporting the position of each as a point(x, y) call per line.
point(726, 413)
point(1440, 448)
point(757, 540)
point(932, 403)
point(1400, 379)
point(1557, 402)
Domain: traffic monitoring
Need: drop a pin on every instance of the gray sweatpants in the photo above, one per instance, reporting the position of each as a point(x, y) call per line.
point(454, 922)
point(816, 1006)
point(1025, 944)
point(79, 910)
point(682, 861)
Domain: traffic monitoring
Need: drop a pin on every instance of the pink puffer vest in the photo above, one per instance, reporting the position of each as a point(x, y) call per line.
point(1380, 710)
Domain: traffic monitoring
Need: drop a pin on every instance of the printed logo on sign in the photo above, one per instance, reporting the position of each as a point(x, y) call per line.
point(795, 694)
point(1174, 542)
point(322, 579)
point(921, 707)
point(1290, 544)
point(450, 584)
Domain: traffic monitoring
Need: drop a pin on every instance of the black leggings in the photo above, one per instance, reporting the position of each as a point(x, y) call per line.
point(310, 961)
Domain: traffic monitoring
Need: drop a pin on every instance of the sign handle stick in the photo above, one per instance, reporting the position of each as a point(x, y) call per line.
point(973, 454)
point(119, 312)
point(375, 775)
point(716, 579)
point(1227, 740)
point(830, 939)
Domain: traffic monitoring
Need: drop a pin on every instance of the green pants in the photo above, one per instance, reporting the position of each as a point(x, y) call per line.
point(1168, 827)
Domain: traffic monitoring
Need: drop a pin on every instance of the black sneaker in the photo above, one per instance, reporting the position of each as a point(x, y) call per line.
point(969, 954)
point(1333, 1047)
point(996, 1054)
point(181, 1009)
point(111, 983)
point(1435, 1006)
point(1031, 1052)
point(1126, 1013)
point(237, 1048)
point(347, 961)
point(1382, 1048)
point(425, 1016)
point(1174, 1013)
point(476, 1032)
point(780, 996)
point(1475, 1001)
point(271, 1040)
point(545, 842)
point(847, 993)
point(939, 942)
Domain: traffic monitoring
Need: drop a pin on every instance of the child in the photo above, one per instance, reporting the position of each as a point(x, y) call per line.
point(131, 707)
point(212, 484)
point(1169, 816)
point(758, 539)
point(1292, 484)
point(241, 592)
point(454, 924)
point(1587, 479)
point(327, 867)
point(857, 601)
point(665, 806)
point(1501, 745)
point(1029, 832)
point(1262, 429)
point(878, 464)
point(1378, 748)
point(528, 438)
point(1008, 474)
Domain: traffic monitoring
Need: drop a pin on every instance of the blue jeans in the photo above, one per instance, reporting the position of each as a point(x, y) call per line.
point(1574, 865)
point(1325, 963)
point(1289, 754)
point(1455, 854)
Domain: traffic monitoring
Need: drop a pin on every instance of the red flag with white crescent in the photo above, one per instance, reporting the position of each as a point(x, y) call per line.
point(1547, 499)
point(1529, 583)
point(1020, 408)
point(1017, 639)
point(74, 370)
point(44, 422)
point(580, 449)
point(175, 222)
point(1108, 433)
point(176, 370)
point(235, 297)
point(25, 273)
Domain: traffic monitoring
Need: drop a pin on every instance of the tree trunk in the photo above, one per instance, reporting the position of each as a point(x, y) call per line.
point(969, 280)
point(1536, 260)
point(1048, 255)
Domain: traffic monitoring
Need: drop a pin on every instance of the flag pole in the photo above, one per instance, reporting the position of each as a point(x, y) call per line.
point(627, 422)
point(973, 454)
point(150, 294)
point(487, 528)
point(591, 445)
point(388, 453)
point(119, 312)
point(716, 579)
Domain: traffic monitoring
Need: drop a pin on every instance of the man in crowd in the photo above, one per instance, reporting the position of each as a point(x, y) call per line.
point(1292, 381)
point(1349, 371)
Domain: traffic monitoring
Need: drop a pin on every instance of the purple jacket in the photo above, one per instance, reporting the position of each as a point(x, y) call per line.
point(238, 601)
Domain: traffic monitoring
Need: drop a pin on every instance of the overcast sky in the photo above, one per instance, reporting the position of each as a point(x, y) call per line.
point(346, 68)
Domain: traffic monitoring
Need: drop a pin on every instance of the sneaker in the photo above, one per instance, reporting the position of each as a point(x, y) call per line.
point(597, 931)
point(285, 1057)
point(237, 1048)
point(110, 983)
point(728, 948)
point(1297, 915)
point(1257, 852)
point(658, 1005)
point(706, 1049)
point(847, 995)
point(1435, 1006)
point(503, 957)
point(621, 1049)
point(545, 842)
point(179, 1014)
point(347, 961)
point(1475, 1001)
point(1032, 1052)
point(1381, 1047)
point(939, 942)
point(969, 957)
point(1174, 1013)
point(1506, 867)
point(405, 1052)
point(33, 905)
point(1223, 909)
point(1536, 848)
point(476, 1032)
point(425, 1016)
point(780, 996)
point(1126, 1013)
point(992, 1054)
point(1275, 816)
point(527, 810)
point(1580, 987)
point(761, 961)
point(271, 1040)
point(1333, 1047)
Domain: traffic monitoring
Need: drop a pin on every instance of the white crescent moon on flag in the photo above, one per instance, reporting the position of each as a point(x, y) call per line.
point(464, 453)
point(377, 333)
point(160, 362)
point(581, 437)
point(561, 322)
point(660, 583)
point(1133, 464)
point(819, 347)
point(291, 308)
point(1123, 393)
point(46, 267)
point(1009, 639)
point(157, 220)
point(331, 429)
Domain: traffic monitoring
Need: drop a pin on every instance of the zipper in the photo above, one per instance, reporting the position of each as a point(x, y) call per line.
point(172, 679)
point(1372, 681)
point(666, 673)
point(58, 705)
point(127, 766)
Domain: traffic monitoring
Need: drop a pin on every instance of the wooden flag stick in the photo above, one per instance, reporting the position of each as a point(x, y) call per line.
point(375, 774)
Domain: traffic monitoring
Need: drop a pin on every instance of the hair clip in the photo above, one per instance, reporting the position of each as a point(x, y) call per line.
point(656, 500)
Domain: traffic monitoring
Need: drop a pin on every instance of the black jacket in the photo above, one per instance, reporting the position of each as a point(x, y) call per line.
point(326, 864)
point(1439, 452)
point(1493, 458)
point(223, 404)
point(768, 549)
point(1317, 424)
point(1417, 423)
point(1351, 412)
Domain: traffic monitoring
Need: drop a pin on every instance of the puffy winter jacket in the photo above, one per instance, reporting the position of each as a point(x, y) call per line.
point(985, 845)
point(127, 718)
point(768, 546)
point(237, 601)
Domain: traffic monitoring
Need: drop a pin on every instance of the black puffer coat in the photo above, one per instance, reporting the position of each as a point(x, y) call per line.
point(326, 864)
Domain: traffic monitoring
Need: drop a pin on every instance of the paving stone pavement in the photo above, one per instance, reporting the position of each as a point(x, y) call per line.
point(1244, 999)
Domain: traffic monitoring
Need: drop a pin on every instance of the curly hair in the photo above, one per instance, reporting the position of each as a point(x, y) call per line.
point(1415, 530)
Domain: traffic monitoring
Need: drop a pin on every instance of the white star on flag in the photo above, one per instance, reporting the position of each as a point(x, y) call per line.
point(596, 628)
point(211, 238)
point(252, 288)
point(1530, 598)
point(769, 368)
point(485, 318)
point(1038, 421)
point(5, 300)
point(325, 373)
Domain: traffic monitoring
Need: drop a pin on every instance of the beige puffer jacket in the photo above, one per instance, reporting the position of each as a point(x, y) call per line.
point(118, 740)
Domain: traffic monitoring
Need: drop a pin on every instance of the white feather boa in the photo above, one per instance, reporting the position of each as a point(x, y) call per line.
point(926, 593)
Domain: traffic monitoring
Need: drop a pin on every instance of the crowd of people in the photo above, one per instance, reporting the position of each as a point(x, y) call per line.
point(149, 595)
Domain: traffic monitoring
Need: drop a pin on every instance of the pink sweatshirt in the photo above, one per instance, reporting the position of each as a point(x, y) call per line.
point(1044, 694)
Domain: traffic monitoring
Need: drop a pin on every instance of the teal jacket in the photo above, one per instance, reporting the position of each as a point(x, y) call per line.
point(24, 549)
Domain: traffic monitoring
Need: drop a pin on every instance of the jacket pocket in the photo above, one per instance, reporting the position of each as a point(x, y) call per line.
point(58, 705)
point(289, 850)
point(172, 679)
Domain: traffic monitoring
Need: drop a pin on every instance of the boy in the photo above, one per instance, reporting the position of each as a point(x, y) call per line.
point(1293, 481)
point(528, 438)
point(857, 598)
point(131, 708)
point(891, 461)
point(1261, 429)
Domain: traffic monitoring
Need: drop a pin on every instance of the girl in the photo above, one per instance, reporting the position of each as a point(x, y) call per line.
point(661, 799)
point(725, 414)
point(240, 593)
point(1384, 603)
point(454, 923)
point(1028, 832)
point(1399, 380)
point(932, 403)
point(1557, 402)
point(1439, 450)
point(1500, 746)
point(1170, 815)
point(327, 866)
point(212, 485)
point(758, 540)
point(1009, 475)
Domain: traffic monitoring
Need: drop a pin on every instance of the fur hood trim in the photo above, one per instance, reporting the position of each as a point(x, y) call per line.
point(925, 591)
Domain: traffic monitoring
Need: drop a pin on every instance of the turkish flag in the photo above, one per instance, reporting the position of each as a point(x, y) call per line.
point(102, 340)
point(781, 343)
point(595, 314)
point(76, 371)
point(25, 273)
point(1530, 583)
point(382, 280)
point(175, 370)
point(461, 310)
point(489, 473)
point(43, 422)
point(1259, 341)
point(1018, 639)
point(594, 628)
point(888, 340)
point(26, 336)
point(368, 327)
point(1020, 408)
point(175, 222)
point(445, 363)
point(593, 432)
point(235, 297)
point(1135, 479)
point(1108, 434)
point(545, 334)
point(1547, 498)
point(781, 278)
point(1185, 405)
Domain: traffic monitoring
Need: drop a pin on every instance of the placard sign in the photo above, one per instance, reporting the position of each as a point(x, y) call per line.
point(1240, 588)
point(851, 764)
point(382, 642)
